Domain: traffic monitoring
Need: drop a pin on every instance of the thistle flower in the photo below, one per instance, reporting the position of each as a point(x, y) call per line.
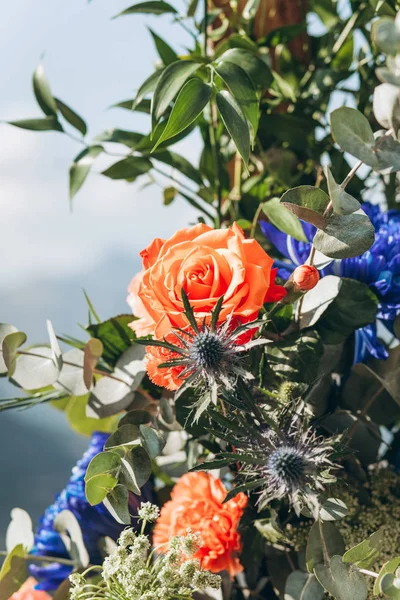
point(205, 356)
point(95, 521)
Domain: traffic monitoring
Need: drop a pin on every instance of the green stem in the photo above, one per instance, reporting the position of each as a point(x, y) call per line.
point(36, 558)
point(255, 220)
point(205, 27)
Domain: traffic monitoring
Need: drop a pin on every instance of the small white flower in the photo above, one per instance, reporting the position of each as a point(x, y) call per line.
point(148, 512)
point(127, 538)
point(188, 570)
point(205, 579)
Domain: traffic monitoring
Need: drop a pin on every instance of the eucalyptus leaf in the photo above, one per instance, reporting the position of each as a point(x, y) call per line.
point(76, 410)
point(386, 105)
point(104, 462)
point(169, 84)
point(333, 509)
point(386, 35)
point(307, 203)
point(36, 369)
point(136, 469)
point(235, 122)
point(303, 586)
point(116, 336)
point(10, 344)
point(388, 153)
point(117, 503)
point(190, 103)
point(67, 525)
point(43, 93)
point(91, 355)
point(126, 435)
point(367, 552)
point(81, 166)
point(19, 530)
point(153, 440)
point(284, 219)
point(14, 572)
point(70, 378)
point(390, 586)
point(345, 236)
point(389, 567)
point(340, 580)
point(5, 329)
point(323, 535)
point(98, 486)
point(342, 202)
point(317, 300)
point(352, 131)
point(55, 346)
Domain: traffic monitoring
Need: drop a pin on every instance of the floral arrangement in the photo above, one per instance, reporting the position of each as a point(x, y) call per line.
point(246, 411)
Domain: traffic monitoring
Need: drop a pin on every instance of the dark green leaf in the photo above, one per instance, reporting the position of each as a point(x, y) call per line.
point(169, 195)
point(365, 439)
point(42, 92)
point(296, 357)
point(117, 503)
point(169, 84)
point(14, 572)
point(80, 168)
point(136, 469)
point(340, 580)
point(153, 440)
point(307, 203)
point(303, 586)
point(143, 106)
point(136, 417)
point(126, 435)
point(46, 124)
point(235, 122)
point(71, 116)
point(242, 89)
point(283, 35)
point(258, 71)
point(345, 236)
point(152, 7)
point(323, 535)
point(148, 86)
point(352, 131)
point(104, 462)
point(120, 136)
point(129, 168)
point(165, 51)
point(190, 103)
point(178, 162)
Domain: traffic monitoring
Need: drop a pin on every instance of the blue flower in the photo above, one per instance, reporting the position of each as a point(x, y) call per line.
point(379, 268)
point(95, 521)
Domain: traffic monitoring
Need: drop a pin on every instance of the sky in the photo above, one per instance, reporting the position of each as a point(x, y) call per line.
point(47, 253)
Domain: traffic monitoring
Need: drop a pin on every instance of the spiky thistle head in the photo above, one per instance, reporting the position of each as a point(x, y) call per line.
point(204, 355)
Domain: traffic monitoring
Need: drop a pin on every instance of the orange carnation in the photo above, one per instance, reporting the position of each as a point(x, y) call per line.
point(196, 503)
point(168, 377)
point(207, 264)
point(27, 592)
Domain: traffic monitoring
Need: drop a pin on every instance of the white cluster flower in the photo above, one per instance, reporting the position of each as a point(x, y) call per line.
point(205, 579)
point(188, 570)
point(127, 538)
point(148, 512)
point(190, 543)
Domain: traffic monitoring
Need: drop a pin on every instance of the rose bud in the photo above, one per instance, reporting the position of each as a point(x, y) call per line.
point(305, 277)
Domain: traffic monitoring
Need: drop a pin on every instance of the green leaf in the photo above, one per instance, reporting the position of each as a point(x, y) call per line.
point(136, 469)
point(36, 370)
point(258, 70)
point(178, 162)
point(71, 116)
point(389, 567)
point(104, 462)
point(129, 138)
point(367, 552)
point(242, 88)
point(386, 35)
point(296, 357)
point(98, 486)
point(390, 586)
point(42, 92)
point(307, 203)
point(70, 379)
point(136, 417)
point(75, 412)
point(342, 202)
point(152, 7)
point(169, 84)
point(165, 51)
point(14, 572)
point(388, 153)
point(352, 131)
point(333, 509)
point(284, 219)
point(303, 586)
point(340, 580)
point(169, 195)
point(235, 122)
point(147, 86)
point(345, 236)
point(129, 168)
point(143, 106)
point(190, 103)
point(117, 503)
point(326, 10)
point(283, 35)
point(5, 329)
point(116, 336)
point(355, 305)
point(323, 535)
point(92, 354)
point(126, 435)
point(153, 440)
point(67, 525)
point(19, 531)
point(10, 345)
point(80, 168)
point(46, 124)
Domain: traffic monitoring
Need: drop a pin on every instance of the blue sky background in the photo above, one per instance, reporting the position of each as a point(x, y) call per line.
point(48, 254)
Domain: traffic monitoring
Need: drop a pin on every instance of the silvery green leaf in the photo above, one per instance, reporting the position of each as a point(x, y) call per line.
point(333, 509)
point(341, 580)
point(36, 370)
point(19, 530)
point(67, 525)
point(70, 379)
point(342, 202)
point(390, 586)
point(352, 132)
point(389, 567)
point(367, 552)
point(388, 153)
point(55, 346)
point(345, 236)
point(303, 586)
point(386, 105)
point(386, 35)
point(117, 503)
point(5, 329)
point(317, 300)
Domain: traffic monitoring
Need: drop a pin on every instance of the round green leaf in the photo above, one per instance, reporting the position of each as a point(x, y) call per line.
point(303, 586)
point(98, 486)
point(342, 202)
point(307, 203)
point(36, 370)
point(333, 509)
point(5, 329)
point(117, 503)
point(345, 236)
point(126, 435)
point(352, 131)
point(104, 462)
point(284, 219)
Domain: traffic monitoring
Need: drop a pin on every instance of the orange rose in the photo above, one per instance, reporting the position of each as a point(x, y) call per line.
point(207, 263)
point(27, 592)
point(196, 502)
